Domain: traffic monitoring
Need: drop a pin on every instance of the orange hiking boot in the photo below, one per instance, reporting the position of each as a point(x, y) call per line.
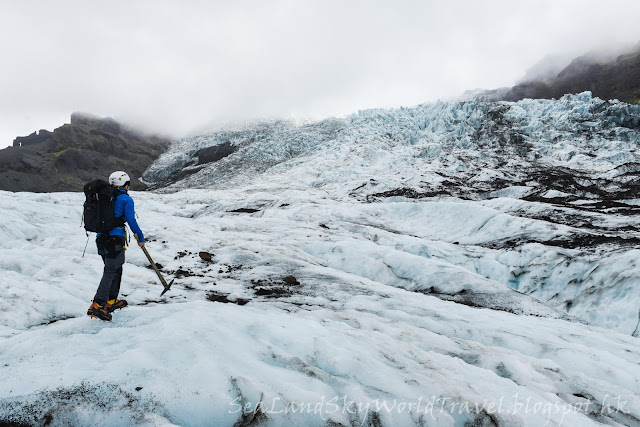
point(99, 312)
point(115, 304)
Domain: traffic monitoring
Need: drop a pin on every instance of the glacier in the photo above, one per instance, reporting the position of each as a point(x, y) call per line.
point(545, 192)
point(450, 264)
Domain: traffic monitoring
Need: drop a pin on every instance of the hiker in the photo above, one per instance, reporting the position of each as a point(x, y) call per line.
point(111, 247)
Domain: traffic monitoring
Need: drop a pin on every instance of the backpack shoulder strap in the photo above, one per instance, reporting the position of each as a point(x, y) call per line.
point(119, 221)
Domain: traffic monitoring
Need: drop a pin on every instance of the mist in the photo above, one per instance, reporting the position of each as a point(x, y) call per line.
point(550, 66)
point(180, 68)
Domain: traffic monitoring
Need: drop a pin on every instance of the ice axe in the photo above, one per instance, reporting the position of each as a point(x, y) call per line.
point(155, 268)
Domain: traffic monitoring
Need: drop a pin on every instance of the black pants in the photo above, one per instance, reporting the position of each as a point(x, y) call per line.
point(112, 251)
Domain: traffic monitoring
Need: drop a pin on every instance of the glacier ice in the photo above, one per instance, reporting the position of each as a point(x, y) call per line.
point(454, 264)
point(362, 337)
point(562, 172)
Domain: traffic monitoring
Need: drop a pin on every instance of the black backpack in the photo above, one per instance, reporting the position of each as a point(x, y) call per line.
point(98, 215)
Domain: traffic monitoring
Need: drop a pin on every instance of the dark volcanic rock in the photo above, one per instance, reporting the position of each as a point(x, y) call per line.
point(205, 256)
point(215, 153)
point(87, 148)
point(245, 210)
point(34, 138)
point(291, 280)
point(216, 297)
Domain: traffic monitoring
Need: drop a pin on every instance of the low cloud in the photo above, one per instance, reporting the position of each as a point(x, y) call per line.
point(178, 68)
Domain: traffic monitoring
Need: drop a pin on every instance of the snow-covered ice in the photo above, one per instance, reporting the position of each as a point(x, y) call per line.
point(350, 282)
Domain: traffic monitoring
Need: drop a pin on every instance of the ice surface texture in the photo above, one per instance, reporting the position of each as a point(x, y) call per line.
point(427, 266)
point(542, 195)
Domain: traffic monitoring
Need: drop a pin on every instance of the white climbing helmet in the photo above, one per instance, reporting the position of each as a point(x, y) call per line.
point(119, 179)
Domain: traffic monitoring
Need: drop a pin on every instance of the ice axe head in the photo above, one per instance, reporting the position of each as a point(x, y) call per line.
point(167, 287)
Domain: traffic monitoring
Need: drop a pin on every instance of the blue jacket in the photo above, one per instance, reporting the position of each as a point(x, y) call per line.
point(124, 208)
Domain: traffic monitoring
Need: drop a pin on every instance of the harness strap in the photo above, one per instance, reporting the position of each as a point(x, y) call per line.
point(127, 238)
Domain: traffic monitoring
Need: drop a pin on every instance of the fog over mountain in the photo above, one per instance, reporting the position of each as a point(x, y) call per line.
point(550, 65)
point(170, 68)
point(610, 75)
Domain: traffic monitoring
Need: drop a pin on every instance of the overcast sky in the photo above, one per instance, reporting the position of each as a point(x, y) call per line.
point(181, 66)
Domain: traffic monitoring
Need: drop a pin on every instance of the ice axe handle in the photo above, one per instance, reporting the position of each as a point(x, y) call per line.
point(155, 268)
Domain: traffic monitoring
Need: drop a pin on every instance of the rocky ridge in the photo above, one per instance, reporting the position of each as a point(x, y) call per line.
point(607, 79)
point(87, 148)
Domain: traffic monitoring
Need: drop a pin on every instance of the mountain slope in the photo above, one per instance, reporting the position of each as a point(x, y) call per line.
point(618, 79)
point(75, 153)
